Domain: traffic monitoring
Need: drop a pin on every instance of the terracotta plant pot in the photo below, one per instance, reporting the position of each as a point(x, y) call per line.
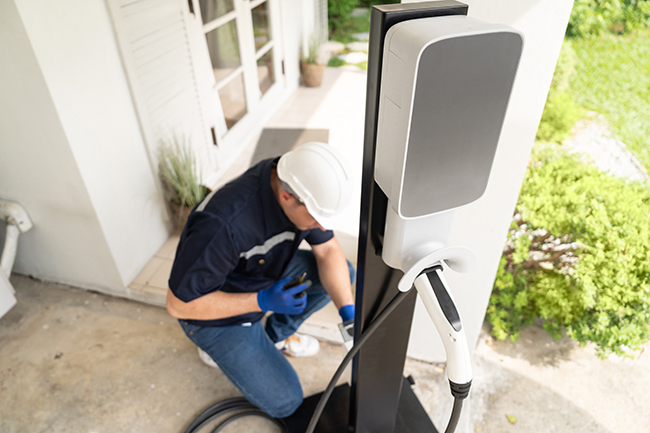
point(180, 215)
point(312, 74)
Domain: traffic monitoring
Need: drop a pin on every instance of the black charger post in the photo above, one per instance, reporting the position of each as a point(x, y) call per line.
point(380, 399)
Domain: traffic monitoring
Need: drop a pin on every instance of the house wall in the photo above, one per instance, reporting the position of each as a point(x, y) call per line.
point(483, 225)
point(38, 170)
point(73, 153)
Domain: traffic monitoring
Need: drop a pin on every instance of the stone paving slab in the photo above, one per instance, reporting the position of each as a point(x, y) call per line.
point(361, 36)
point(334, 47)
point(354, 57)
point(592, 137)
point(358, 46)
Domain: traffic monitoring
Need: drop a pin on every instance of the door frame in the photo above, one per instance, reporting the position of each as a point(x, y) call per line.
point(231, 142)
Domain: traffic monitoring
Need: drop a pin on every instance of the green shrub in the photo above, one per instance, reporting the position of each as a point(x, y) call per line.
point(577, 256)
point(560, 111)
point(593, 17)
point(343, 28)
point(338, 13)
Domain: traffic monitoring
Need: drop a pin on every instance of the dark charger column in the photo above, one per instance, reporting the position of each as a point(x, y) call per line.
point(379, 400)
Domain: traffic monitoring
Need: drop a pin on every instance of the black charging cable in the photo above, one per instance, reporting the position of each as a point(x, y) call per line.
point(455, 415)
point(355, 349)
point(231, 405)
point(249, 409)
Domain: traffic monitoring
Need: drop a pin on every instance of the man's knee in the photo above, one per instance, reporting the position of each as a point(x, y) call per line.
point(286, 406)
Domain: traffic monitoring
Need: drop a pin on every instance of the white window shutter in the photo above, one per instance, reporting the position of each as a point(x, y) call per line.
point(155, 41)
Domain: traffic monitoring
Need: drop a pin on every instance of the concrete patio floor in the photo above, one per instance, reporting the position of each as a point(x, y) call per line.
point(76, 361)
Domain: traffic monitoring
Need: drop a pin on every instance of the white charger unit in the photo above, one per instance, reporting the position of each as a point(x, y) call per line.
point(445, 86)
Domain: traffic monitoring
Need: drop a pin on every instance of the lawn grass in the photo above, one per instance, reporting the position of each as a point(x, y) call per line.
point(335, 62)
point(613, 78)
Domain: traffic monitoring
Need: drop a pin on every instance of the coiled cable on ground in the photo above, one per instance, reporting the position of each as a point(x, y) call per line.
point(226, 406)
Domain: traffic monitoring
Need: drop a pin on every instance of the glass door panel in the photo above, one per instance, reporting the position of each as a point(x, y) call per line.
point(221, 20)
point(213, 9)
point(261, 28)
point(224, 50)
point(233, 100)
point(243, 56)
point(263, 46)
point(265, 72)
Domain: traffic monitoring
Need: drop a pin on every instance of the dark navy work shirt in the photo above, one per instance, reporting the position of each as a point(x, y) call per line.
point(237, 240)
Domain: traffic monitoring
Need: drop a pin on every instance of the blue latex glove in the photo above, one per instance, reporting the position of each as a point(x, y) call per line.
point(282, 301)
point(347, 312)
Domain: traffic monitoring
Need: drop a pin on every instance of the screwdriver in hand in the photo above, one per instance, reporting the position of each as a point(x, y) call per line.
point(297, 281)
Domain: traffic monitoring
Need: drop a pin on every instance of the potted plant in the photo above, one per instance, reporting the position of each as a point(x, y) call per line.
point(311, 65)
point(181, 178)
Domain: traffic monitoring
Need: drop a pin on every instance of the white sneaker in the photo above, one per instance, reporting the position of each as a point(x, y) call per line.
point(299, 345)
point(207, 359)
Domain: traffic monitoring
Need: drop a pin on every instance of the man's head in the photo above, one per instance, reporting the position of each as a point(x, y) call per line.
point(319, 179)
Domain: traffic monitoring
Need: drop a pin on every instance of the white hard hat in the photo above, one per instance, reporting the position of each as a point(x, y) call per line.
point(321, 178)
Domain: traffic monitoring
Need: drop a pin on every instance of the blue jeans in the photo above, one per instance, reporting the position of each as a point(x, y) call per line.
point(247, 354)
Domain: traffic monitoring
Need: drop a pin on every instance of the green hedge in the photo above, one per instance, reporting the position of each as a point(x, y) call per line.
point(577, 256)
point(593, 17)
point(338, 13)
point(560, 112)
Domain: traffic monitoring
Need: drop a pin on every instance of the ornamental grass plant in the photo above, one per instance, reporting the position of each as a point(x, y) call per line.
point(180, 175)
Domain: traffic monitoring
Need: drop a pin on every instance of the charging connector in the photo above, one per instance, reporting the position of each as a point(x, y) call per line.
point(440, 305)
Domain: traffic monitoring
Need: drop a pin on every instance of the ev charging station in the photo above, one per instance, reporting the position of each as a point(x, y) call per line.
point(438, 88)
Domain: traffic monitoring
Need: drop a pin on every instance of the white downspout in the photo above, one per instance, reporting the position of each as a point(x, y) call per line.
point(18, 221)
point(9, 251)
